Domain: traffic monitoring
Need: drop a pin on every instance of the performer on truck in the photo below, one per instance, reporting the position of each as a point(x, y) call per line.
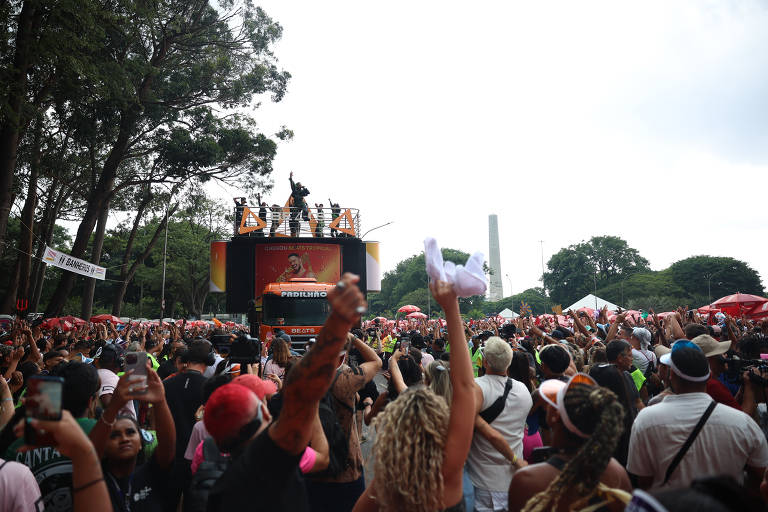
point(298, 193)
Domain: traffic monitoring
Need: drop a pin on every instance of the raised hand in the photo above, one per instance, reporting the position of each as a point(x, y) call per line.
point(443, 293)
point(346, 299)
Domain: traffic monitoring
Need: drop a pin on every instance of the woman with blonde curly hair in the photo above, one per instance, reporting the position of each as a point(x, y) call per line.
point(421, 443)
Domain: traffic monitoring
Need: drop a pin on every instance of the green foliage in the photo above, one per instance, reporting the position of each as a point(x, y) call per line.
point(723, 275)
point(407, 284)
point(534, 297)
point(578, 269)
point(190, 232)
point(646, 284)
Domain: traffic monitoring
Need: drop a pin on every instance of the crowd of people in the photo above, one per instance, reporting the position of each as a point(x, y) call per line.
point(597, 413)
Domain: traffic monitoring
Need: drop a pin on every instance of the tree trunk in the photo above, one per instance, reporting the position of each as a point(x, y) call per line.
point(8, 305)
point(127, 277)
point(28, 25)
point(52, 207)
point(26, 237)
point(97, 201)
point(86, 307)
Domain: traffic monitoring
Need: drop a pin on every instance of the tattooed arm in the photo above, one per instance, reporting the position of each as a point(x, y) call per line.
point(308, 381)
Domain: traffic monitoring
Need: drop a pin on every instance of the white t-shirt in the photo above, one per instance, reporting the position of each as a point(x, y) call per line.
point(109, 380)
point(487, 468)
point(18, 488)
point(211, 370)
point(642, 358)
point(426, 358)
point(729, 440)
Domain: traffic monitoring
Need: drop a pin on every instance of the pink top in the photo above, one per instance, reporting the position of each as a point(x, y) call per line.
point(529, 443)
point(306, 463)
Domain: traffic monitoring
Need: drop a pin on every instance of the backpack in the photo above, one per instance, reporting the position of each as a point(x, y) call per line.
point(214, 465)
point(338, 438)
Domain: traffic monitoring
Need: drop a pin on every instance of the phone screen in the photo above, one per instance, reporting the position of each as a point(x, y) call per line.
point(43, 402)
point(405, 346)
point(137, 361)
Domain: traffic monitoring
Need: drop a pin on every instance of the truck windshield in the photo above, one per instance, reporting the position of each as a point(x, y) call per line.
point(295, 311)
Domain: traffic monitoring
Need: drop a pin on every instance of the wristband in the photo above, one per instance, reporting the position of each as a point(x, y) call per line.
point(89, 484)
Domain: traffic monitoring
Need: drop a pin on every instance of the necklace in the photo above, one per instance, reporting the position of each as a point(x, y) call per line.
point(124, 497)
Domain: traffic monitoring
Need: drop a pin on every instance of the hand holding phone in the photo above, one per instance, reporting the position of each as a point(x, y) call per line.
point(136, 364)
point(43, 402)
point(65, 434)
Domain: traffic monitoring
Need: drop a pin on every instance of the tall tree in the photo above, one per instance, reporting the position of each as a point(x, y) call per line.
point(42, 43)
point(582, 268)
point(718, 276)
point(180, 69)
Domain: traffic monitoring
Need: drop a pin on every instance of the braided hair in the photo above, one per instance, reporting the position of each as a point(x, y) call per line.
point(595, 411)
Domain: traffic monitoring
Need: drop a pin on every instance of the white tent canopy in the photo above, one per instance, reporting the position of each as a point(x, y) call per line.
point(591, 301)
point(507, 314)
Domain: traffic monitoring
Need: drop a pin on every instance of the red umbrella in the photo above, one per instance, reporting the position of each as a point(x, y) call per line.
point(707, 309)
point(77, 322)
point(380, 319)
point(57, 323)
point(416, 314)
point(739, 302)
point(101, 319)
point(758, 311)
point(409, 309)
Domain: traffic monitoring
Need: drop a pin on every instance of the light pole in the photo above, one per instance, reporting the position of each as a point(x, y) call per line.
point(709, 281)
point(165, 254)
point(595, 294)
point(510, 284)
point(377, 227)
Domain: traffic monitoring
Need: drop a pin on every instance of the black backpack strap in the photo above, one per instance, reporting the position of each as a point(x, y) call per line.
point(493, 410)
point(3, 464)
point(211, 452)
point(688, 442)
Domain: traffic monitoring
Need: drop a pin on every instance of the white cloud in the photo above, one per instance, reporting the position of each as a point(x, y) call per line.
point(567, 119)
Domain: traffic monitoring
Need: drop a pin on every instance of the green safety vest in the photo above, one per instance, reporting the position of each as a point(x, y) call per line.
point(639, 378)
point(477, 361)
point(388, 344)
point(155, 364)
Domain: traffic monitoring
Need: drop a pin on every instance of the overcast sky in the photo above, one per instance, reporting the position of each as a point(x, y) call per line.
point(645, 120)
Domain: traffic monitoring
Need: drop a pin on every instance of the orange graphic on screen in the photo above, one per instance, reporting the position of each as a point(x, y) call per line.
point(218, 282)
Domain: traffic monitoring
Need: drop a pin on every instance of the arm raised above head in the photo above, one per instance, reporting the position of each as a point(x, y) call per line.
point(309, 380)
point(462, 421)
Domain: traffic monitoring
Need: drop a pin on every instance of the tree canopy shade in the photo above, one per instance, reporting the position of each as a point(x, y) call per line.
point(581, 268)
point(166, 102)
